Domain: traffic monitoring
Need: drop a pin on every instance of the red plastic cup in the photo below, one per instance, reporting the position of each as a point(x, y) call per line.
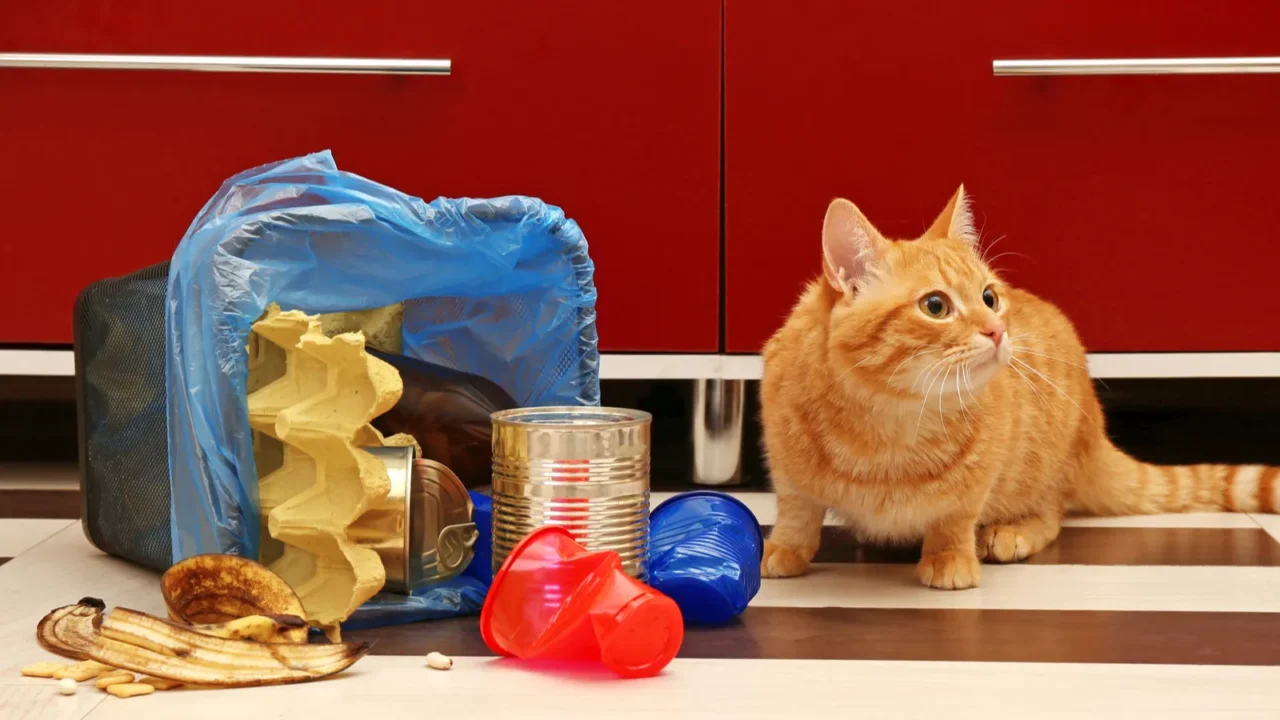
point(555, 600)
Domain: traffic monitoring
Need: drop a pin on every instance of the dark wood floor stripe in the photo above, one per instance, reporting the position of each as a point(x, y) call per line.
point(44, 504)
point(1242, 547)
point(1248, 547)
point(1178, 638)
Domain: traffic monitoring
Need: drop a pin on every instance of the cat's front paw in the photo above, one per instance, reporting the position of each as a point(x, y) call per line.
point(1003, 543)
point(950, 570)
point(1016, 541)
point(781, 561)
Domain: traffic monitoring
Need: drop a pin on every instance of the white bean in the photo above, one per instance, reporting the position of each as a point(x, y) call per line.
point(439, 661)
point(67, 686)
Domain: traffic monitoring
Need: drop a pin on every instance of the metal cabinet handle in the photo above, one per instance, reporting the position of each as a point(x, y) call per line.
point(1139, 66)
point(227, 63)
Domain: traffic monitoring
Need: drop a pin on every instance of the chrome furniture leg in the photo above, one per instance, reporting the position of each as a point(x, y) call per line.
point(717, 431)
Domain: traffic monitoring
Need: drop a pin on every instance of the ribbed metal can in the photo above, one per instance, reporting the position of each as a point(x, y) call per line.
point(585, 469)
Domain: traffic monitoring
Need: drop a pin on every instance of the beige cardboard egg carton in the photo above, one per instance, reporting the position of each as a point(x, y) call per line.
point(311, 401)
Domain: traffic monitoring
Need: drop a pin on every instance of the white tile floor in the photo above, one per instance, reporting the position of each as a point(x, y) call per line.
point(17, 535)
point(1270, 523)
point(401, 687)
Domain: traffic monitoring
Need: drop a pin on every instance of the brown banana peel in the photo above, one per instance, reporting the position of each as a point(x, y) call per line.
point(217, 589)
point(141, 643)
point(70, 643)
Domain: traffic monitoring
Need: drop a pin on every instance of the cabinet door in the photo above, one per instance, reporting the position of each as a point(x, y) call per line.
point(608, 109)
point(1143, 205)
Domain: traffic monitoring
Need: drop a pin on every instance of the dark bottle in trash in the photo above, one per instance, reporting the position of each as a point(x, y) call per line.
point(447, 411)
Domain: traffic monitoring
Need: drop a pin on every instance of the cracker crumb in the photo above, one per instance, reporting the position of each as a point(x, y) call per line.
point(42, 669)
point(128, 690)
point(115, 678)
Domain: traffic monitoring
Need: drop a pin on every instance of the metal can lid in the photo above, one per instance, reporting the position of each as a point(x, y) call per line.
point(574, 416)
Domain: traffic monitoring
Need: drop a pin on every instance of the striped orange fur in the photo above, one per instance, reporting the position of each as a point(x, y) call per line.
point(924, 399)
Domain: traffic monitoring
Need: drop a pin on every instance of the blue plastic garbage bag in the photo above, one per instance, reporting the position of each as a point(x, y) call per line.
point(462, 595)
point(501, 288)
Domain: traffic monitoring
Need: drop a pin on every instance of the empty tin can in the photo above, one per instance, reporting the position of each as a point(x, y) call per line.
point(585, 469)
point(422, 530)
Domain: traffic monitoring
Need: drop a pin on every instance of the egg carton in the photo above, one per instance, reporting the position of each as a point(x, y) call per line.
point(311, 401)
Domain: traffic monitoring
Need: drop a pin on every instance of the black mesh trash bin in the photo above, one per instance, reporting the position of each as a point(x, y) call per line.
point(120, 402)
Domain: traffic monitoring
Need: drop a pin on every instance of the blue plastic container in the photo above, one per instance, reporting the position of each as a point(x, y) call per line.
point(704, 552)
point(481, 567)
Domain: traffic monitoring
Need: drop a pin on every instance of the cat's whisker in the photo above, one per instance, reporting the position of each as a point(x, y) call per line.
point(964, 377)
point(904, 362)
point(987, 250)
point(1043, 346)
point(942, 391)
point(1054, 385)
point(1047, 356)
point(968, 381)
point(952, 357)
point(925, 401)
point(964, 411)
point(1021, 349)
point(840, 378)
point(993, 260)
point(1084, 367)
point(1028, 340)
point(972, 393)
point(1039, 340)
point(1034, 389)
point(927, 372)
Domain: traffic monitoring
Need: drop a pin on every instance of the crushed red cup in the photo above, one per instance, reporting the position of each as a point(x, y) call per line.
point(555, 600)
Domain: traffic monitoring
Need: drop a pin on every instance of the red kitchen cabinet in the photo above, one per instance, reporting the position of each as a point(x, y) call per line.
point(1144, 205)
point(610, 110)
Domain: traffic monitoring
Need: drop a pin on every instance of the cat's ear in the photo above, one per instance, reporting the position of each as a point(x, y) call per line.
point(956, 220)
point(851, 247)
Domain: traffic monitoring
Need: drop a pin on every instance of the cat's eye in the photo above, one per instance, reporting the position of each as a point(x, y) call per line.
point(935, 305)
point(990, 298)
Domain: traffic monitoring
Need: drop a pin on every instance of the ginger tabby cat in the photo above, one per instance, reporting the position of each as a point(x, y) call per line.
point(923, 398)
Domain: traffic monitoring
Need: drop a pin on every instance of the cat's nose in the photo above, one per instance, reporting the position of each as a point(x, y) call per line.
point(995, 331)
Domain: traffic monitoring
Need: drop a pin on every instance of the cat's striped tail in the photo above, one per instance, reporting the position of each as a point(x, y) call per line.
point(1121, 485)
